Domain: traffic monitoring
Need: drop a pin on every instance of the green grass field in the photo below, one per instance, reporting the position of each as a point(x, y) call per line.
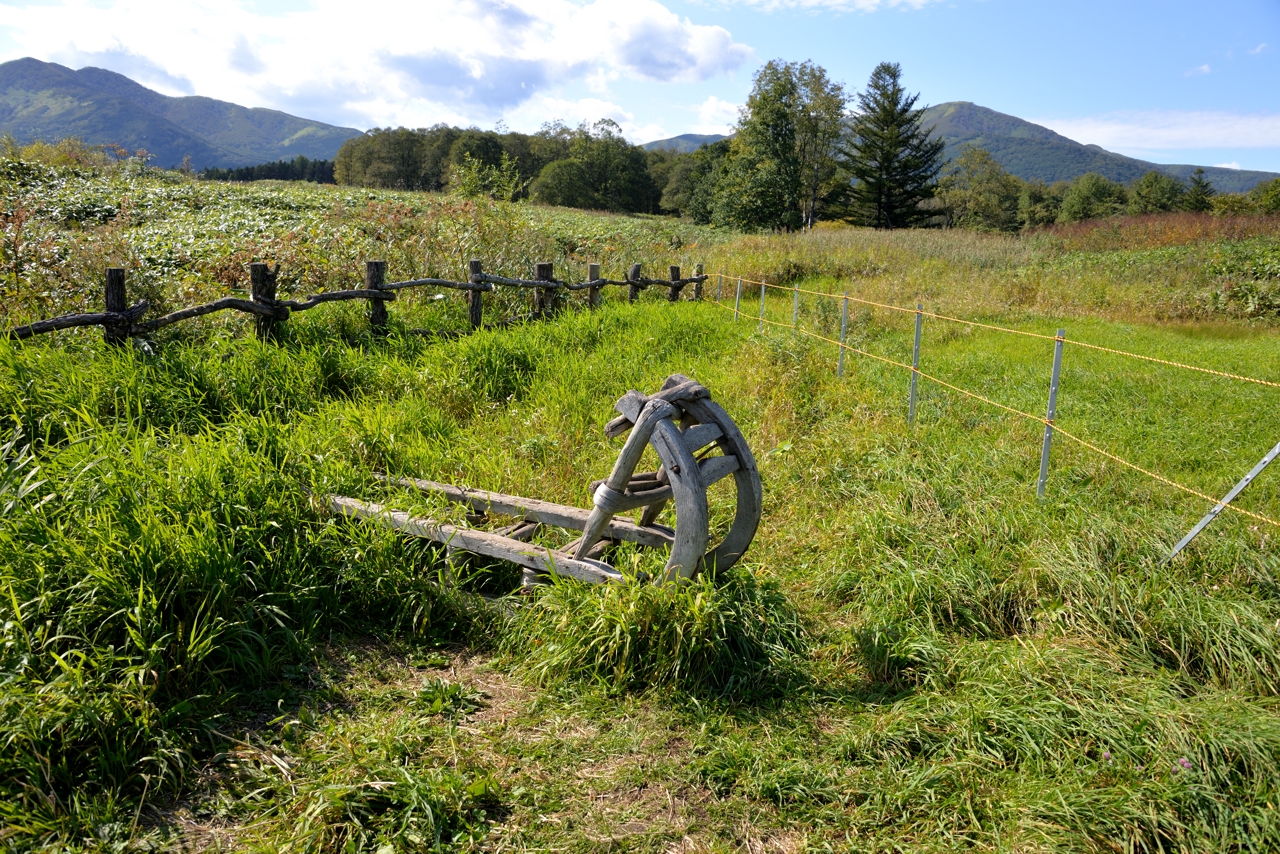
point(915, 654)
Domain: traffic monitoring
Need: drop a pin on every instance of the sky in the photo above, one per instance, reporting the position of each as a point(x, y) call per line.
point(1172, 82)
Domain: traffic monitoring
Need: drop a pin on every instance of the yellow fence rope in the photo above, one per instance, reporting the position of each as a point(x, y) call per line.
point(1027, 415)
point(1085, 344)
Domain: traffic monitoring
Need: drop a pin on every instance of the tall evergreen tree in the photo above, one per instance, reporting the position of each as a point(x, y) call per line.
point(1199, 192)
point(890, 156)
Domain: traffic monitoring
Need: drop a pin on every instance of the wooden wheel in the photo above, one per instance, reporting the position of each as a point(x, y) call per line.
point(698, 444)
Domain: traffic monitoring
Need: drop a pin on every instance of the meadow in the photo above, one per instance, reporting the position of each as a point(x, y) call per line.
point(914, 655)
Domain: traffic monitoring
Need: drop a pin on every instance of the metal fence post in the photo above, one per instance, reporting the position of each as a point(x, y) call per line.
point(761, 325)
point(795, 309)
point(737, 301)
point(719, 286)
point(1226, 499)
point(915, 366)
point(1053, 409)
point(844, 327)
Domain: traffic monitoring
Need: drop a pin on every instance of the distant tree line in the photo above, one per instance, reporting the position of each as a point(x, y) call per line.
point(804, 150)
point(977, 193)
point(591, 166)
point(298, 169)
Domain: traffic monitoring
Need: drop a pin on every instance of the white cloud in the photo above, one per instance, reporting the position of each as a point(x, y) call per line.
point(1169, 129)
point(716, 116)
point(1198, 70)
point(1257, 50)
point(464, 62)
point(1231, 165)
point(834, 5)
point(544, 108)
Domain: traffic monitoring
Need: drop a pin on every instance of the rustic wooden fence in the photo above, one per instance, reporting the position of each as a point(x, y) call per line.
point(121, 321)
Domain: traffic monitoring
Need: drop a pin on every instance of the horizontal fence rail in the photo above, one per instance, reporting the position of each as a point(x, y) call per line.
point(121, 322)
point(1051, 427)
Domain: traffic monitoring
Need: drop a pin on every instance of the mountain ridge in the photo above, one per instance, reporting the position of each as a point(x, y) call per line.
point(44, 100)
point(1027, 150)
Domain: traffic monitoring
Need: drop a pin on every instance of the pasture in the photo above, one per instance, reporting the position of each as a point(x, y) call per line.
point(914, 655)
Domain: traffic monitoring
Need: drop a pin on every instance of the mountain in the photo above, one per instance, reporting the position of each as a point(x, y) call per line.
point(1034, 152)
point(43, 100)
point(684, 143)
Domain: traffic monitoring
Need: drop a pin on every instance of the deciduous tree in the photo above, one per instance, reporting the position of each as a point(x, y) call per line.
point(977, 193)
point(762, 188)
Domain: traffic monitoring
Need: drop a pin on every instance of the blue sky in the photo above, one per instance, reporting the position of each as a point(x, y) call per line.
point(1173, 81)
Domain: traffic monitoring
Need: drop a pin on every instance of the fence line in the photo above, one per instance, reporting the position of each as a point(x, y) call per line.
point(120, 321)
point(1048, 422)
point(1042, 336)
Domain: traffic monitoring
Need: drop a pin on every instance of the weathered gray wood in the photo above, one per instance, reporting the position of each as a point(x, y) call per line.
point(475, 308)
point(438, 283)
point(71, 321)
point(633, 280)
point(335, 296)
point(698, 279)
point(275, 311)
point(750, 497)
point(699, 436)
point(522, 531)
point(609, 497)
point(478, 542)
point(673, 293)
point(715, 468)
point(375, 275)
point(262, 287)
point(534, 510)
point(655, 508)
point(543, 300)
point(593, 293)
point(633, 401)
point(690, 497)
point(116, 302)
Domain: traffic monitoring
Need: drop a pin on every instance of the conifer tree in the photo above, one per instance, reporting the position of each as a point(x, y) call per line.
point(1198, 193)
point(890, 156)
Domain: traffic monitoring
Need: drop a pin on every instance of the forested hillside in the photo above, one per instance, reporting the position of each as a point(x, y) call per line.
point(1035, 153)
point(47, 101)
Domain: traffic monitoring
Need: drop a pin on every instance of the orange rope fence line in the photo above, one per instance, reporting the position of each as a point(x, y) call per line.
point(1085, 344)
point(1037, 418)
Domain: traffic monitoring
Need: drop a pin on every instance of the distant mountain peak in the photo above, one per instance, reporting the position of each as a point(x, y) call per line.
point(684, 143)
point(1034, 152)
point(44, 100)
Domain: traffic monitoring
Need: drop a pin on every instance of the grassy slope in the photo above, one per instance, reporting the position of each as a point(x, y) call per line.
point(975, 671)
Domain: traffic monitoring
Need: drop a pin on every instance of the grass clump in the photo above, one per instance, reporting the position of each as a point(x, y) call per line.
point(730, 636)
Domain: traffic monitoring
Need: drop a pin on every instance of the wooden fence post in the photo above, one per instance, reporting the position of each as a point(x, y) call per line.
point(697, 286)
point(375, 276)
point(673, 294)
point(543, 272)
point(633, 292)
point(475, 309)
point(116, 300)
point(593, 292)
point(262, 289)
